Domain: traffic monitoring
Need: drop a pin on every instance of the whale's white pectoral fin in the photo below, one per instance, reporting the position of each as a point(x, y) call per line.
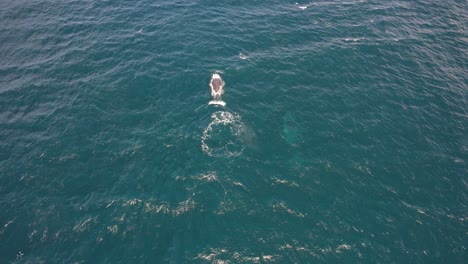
point(217, 102)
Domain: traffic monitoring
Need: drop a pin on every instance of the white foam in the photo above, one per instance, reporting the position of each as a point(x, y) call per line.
point(132, 202)
point(222, 137)
point(113, 229)
point(152, 206)
point(242, 56)
point(285, 182)
point(221, 255)
point(211, 177)
point(184, 207)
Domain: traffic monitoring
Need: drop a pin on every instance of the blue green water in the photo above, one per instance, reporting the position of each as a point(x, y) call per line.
point(344, 138)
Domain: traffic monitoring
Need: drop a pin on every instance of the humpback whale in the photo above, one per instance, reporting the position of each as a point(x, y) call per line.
point(217, 90)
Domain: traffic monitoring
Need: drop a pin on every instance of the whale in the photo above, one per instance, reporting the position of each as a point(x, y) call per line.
point(217, 89)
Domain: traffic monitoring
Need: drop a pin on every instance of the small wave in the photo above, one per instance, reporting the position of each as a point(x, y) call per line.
point(211, 177)
point(225, 255)
point(302, 7)
point(282, 207)
point(285, 182)
point(353, 39)
point(83, 225)
point(339, 249)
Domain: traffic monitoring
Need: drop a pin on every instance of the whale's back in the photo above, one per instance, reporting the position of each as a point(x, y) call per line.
point(216, 84)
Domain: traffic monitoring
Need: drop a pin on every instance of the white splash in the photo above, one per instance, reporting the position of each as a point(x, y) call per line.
point(353, 39)
point(281, 206)
point(223, 136)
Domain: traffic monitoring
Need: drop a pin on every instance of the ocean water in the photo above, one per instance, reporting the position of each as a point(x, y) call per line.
point(344, 138)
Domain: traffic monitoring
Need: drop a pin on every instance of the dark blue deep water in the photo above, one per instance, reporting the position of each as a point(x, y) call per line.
point(344, 138)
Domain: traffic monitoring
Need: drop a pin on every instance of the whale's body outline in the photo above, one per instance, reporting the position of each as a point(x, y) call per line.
point(217, 86)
